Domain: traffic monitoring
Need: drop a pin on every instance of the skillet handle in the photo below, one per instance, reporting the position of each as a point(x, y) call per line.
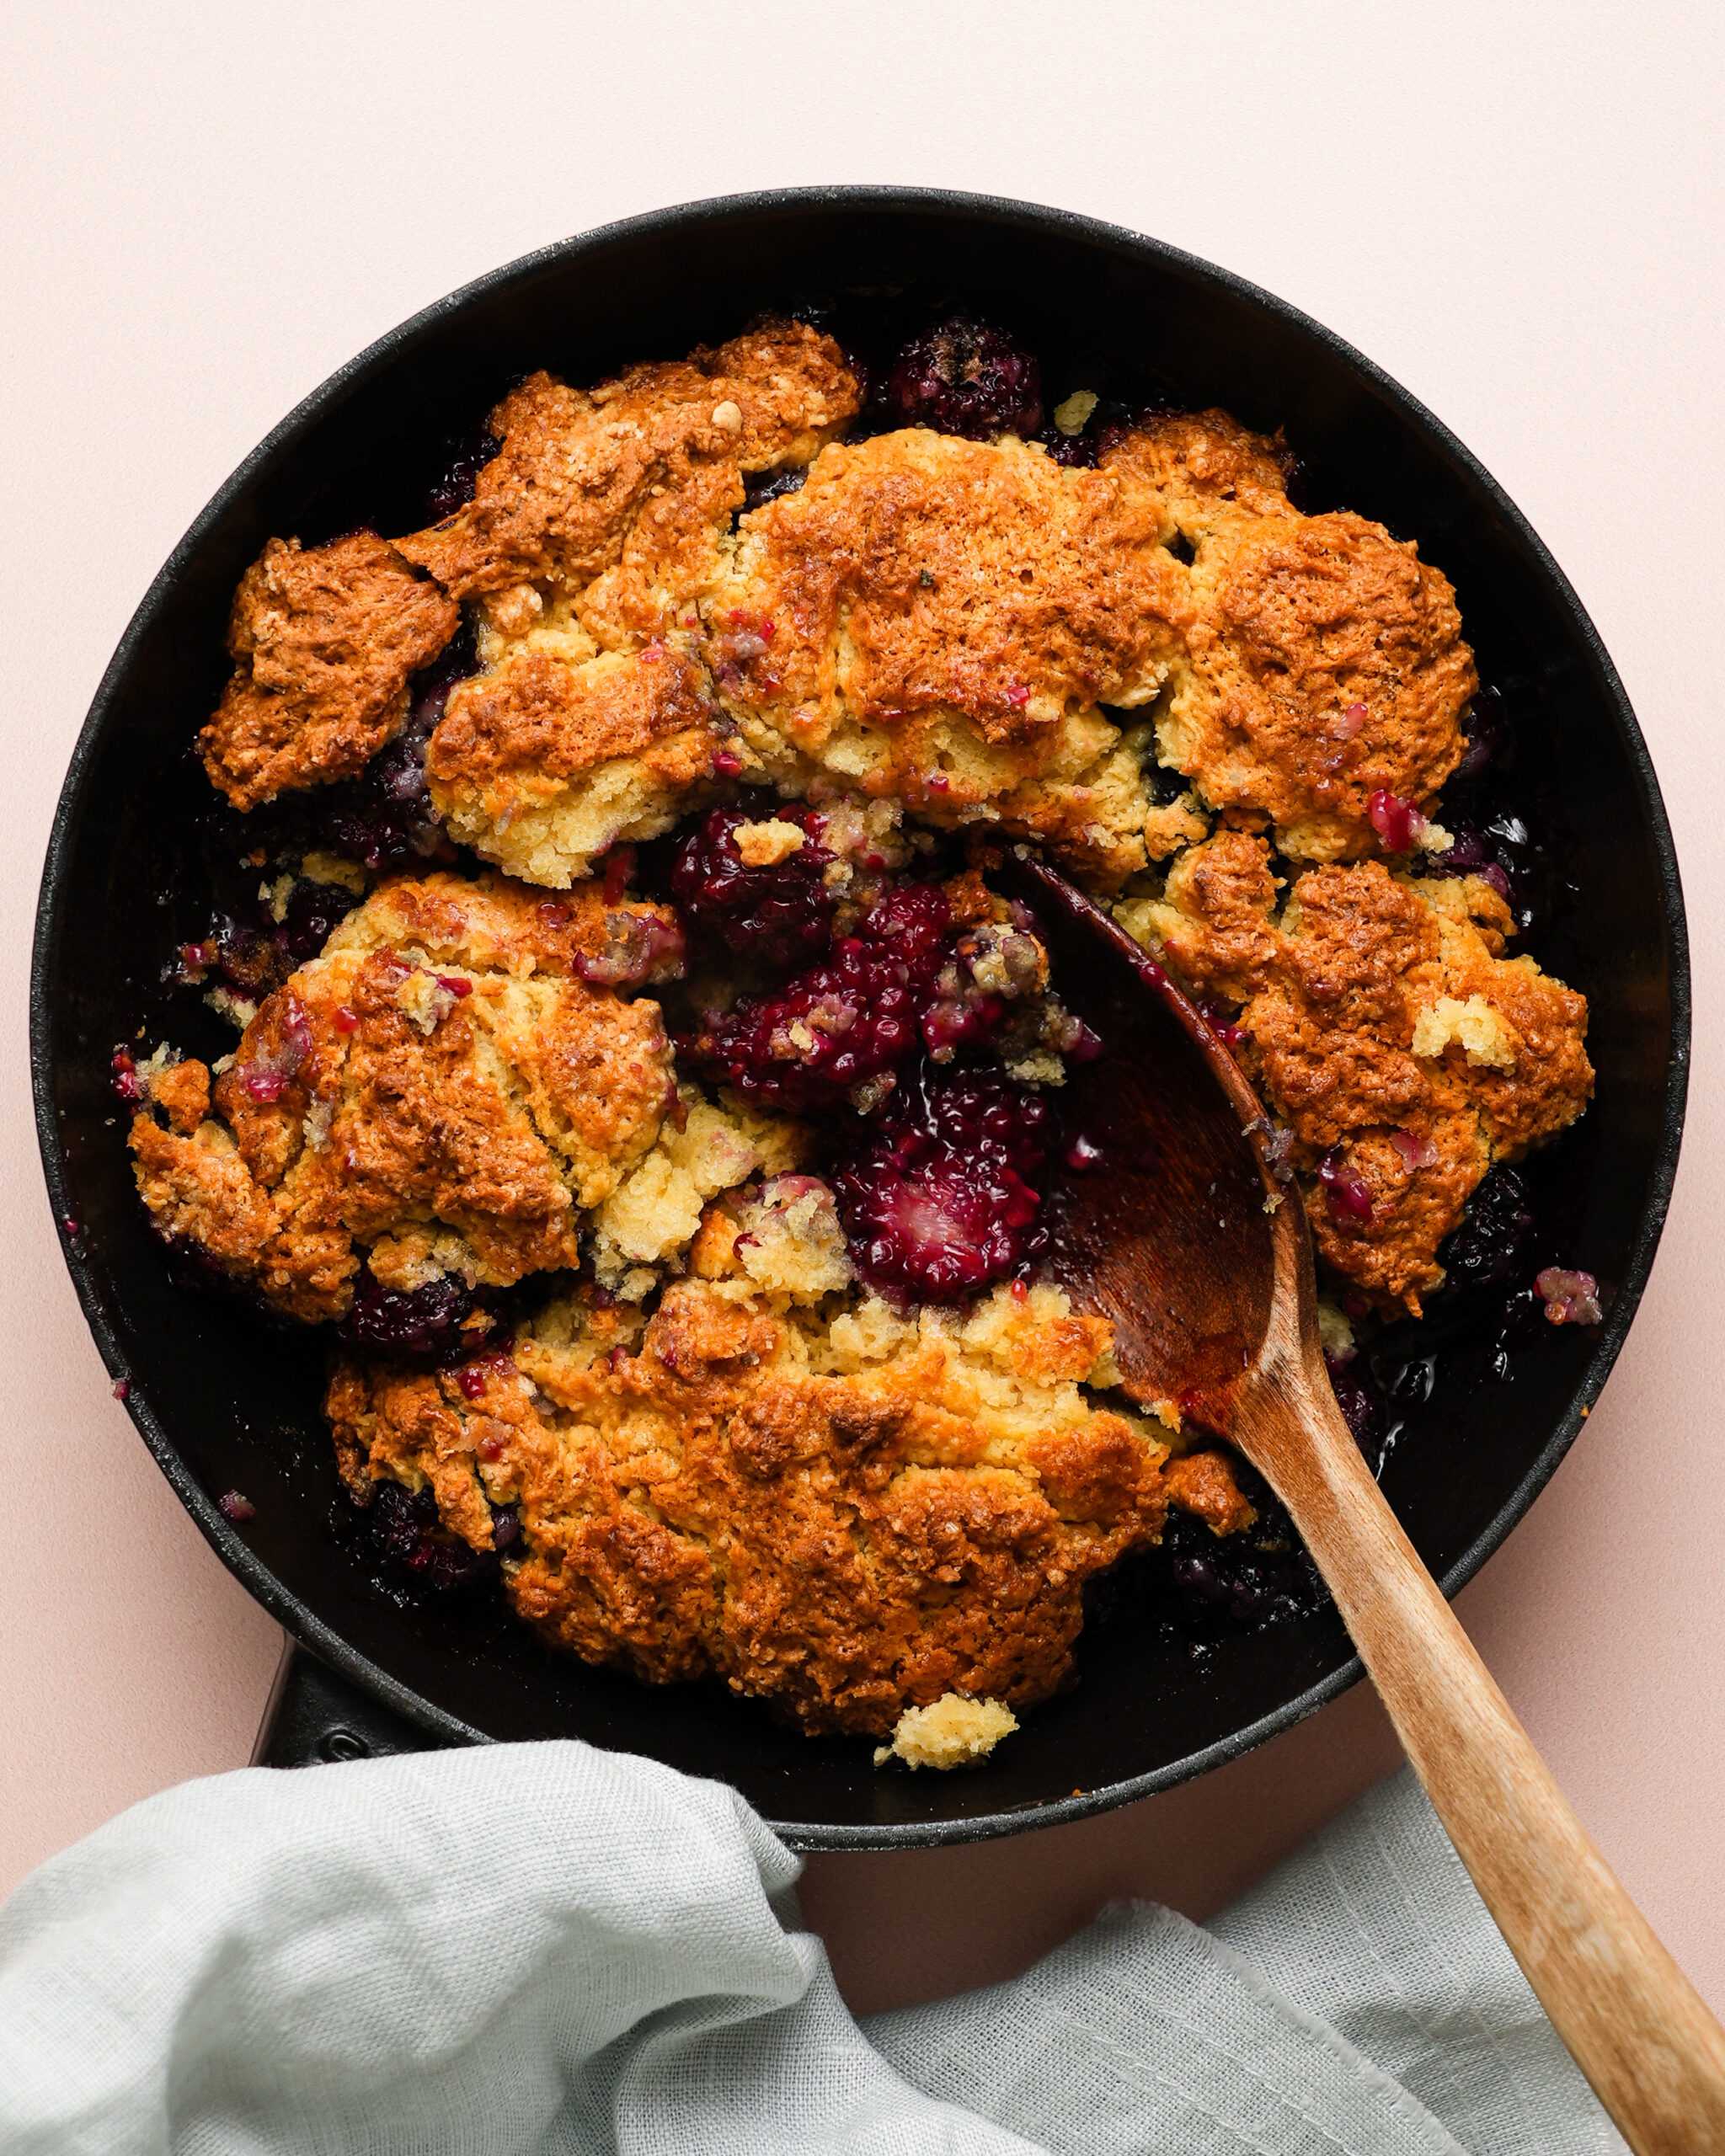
point(315, 1715)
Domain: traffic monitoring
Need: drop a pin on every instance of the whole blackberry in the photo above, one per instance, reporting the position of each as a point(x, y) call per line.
point(779, 912)
point(966, 377)
point(1487, 1249)
point(943, 1197)
point(401, 1529)
point(854, 1018)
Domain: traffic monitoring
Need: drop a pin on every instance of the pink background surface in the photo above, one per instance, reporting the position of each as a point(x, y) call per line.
point(1516, 211)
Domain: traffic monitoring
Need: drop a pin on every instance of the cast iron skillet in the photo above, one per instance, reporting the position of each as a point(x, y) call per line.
point(222, 1402)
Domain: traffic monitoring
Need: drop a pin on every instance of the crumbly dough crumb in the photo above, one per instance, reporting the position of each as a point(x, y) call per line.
point(1334, 1330)
point(655, 1211)
point(954, 1731)
point(789, 1241)
point(1037, 1067)
point(764, 845)
point(331, 868)
point(1481, 1030)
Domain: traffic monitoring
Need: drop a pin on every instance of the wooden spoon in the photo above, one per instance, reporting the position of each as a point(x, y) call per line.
point(1182, 1233)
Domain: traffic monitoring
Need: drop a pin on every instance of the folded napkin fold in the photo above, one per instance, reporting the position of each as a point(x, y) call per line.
point(538, 1948)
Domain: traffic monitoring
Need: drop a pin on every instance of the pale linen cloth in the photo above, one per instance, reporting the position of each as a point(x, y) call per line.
point(544, 1947)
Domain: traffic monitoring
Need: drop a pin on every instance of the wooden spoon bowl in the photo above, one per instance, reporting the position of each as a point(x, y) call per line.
point(1182, 1232)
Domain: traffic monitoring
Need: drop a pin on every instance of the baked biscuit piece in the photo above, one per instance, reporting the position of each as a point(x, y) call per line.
point(323, 640)
point(443, 1090)
point(843, 1516)
point(619, 493)
point(1215, 921)
point(1405, 1052)
point(589, 537)
point(944, 621)
point(1206, 468)
point(1324, 662)
point(541, 765)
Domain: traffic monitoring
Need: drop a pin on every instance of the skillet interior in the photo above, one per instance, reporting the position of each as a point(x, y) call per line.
point(223, 1403)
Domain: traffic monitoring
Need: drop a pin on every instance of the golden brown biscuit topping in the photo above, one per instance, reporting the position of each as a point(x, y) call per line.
point(1326, 665)
point(440, 1092)
point(1384, 1025)
point(519, 765)
point(845, 1518)
point(961, 624)
point(323, 640)
point(723, 1452)
point(620, 493)
point(943, 620)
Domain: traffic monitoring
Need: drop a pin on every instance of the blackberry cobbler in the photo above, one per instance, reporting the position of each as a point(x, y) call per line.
point(645, 1080)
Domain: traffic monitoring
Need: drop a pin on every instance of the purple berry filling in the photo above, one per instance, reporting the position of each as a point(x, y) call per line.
point(780, 912)
point(426, 1323)
point(403, 1529)
point(943, 1199)
point(1207, 1586)
point(769, 486)
point(455, 489)
point(252, 959)
point(1361, 1403)
point(384, 819)
point(1486, 1250)
point(1485, 731)
point(854, 1018)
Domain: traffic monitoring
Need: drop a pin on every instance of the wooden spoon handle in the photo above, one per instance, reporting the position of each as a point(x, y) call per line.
point(1631, 2019)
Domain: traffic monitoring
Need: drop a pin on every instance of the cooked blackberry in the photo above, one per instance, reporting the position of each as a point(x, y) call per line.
point(944, 1196)
point(428, 1324)
point(854, 1018)
point(966, 377)
point(1487, 1249)
point(777, 910)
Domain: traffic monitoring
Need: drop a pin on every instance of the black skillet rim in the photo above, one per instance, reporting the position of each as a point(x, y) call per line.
point(310, 1630)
